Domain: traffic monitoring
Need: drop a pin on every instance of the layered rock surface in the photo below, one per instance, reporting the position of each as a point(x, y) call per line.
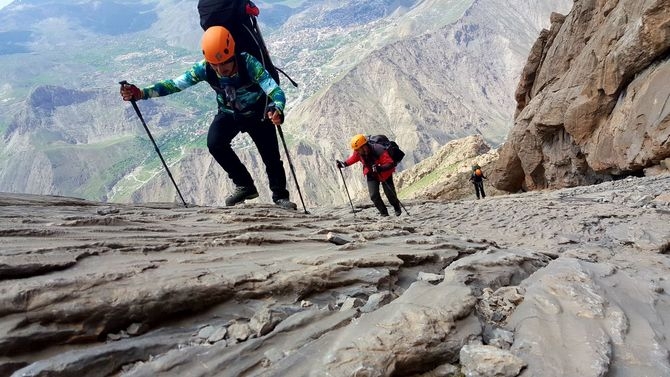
point(570, 282)
point(593, 98)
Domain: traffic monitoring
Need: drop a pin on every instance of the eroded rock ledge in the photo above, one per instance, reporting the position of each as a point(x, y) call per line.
point(571, 282)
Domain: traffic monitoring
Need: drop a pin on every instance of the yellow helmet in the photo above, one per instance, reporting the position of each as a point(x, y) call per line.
point(358, 141)
point(217, 45)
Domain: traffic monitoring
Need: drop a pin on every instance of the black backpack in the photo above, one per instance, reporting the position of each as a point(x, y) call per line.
point(239, 17)
point(391, 146)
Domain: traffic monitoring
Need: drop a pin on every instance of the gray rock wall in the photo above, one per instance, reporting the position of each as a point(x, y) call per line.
point(592, 102)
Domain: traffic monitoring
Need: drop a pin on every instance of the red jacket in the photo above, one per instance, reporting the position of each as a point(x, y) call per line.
point(383, 159)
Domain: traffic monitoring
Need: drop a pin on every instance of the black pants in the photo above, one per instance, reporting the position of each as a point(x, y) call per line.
point(479, 189)
point(389, 190)
point(225, 127)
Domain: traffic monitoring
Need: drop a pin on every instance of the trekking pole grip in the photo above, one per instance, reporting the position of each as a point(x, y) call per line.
point(132, 100)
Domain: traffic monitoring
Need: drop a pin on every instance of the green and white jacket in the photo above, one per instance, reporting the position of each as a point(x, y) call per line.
point(245, 89)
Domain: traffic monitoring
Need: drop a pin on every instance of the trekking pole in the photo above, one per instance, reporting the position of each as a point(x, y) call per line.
point(290, 164)
point(139, 115)
point(345, 188)
point(386, 185)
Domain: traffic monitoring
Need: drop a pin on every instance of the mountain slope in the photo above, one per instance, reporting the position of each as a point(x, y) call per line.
point(408, 69)
point(427, 90)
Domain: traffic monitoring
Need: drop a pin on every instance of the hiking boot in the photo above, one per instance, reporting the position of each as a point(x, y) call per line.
point(241, 194)
point(286, 204)
point(398, 211)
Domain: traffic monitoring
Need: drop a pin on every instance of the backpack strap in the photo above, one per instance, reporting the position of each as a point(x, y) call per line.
point(245, 82)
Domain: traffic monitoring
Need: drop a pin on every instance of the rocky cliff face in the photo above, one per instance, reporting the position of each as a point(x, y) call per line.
point(593, 101)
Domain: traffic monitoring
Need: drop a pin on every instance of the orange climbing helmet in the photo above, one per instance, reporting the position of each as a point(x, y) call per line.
point(218, 45)
point(358, 141)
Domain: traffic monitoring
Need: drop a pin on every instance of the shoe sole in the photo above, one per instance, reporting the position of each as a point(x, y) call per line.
point(248, 197)
point(291, 208)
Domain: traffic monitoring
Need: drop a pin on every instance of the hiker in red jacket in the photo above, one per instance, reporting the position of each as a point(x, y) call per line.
point(378, 166)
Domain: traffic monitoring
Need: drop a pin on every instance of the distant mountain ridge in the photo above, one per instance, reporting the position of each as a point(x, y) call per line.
point(381, 69)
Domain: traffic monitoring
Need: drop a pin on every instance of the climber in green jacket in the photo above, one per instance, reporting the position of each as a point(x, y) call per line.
point(249, 100)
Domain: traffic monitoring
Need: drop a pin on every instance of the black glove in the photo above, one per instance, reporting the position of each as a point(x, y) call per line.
point(340, 164)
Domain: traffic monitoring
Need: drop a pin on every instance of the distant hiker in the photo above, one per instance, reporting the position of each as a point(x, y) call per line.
point(477, 178)
point(249, 100)
point(378, 166)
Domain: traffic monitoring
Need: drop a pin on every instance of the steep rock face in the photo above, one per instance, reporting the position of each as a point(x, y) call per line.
point(592, 101)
